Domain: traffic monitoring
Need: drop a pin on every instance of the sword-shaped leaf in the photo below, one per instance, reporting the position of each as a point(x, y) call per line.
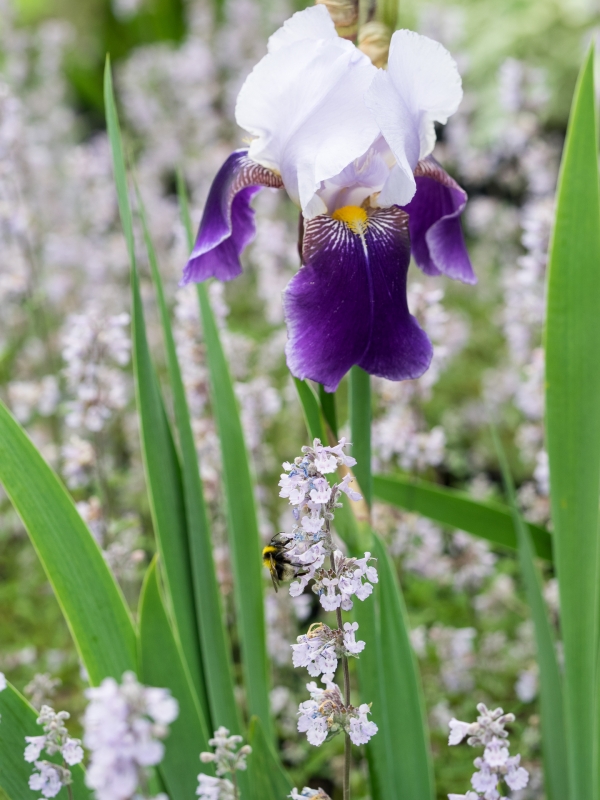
point(573, 426)
point(86, 590)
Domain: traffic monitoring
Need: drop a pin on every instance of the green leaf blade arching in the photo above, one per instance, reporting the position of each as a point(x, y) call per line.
point(488, 520)
point(18, 720)
point(86, 590)
point(162, 665)
point(310, 408)
point(399, 755)
point(242, 525)
point(216, 657)
point(161, 463)
point(266, 777)
point(573, 426)
point(554, 745)
point(413, 770)
point(360, 425)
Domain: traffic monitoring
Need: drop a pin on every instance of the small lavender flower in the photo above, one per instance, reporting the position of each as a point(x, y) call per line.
point(210, 788)
point(227, 759)
point(319, 649)
point(123, 727)
point(325, 715)
point(50, 778)
point(314, 794)
point(497, 764)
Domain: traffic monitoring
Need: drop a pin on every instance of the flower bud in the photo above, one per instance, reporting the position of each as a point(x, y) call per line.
point(374, 40)
point(344, 14)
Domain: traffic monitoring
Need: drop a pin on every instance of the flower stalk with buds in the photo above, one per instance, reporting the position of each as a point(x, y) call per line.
point(310, 552)
point(123, 728)
point(496, 765)
point(227, 759)
point(49, 778)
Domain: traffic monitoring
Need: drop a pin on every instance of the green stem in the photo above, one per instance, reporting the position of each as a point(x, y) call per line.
point(360, 426)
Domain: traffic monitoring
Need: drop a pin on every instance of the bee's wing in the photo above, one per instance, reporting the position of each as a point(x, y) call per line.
point(273, 572)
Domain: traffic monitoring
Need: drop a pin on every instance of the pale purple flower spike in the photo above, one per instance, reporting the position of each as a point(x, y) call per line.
point(314, 502)
point(49, 778)
point(123, 728)
point(227, 758)
point(497, 764)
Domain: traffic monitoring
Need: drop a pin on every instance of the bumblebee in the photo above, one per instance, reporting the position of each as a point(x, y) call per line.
point(274, 558)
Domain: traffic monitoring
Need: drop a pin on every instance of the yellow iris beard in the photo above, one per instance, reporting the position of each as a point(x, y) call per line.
point(355, 218)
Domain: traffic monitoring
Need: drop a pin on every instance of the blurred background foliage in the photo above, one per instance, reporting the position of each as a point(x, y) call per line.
point(64, 291)
point(551, 34)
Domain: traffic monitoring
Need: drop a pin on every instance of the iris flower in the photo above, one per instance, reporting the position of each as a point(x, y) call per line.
point(351, 144)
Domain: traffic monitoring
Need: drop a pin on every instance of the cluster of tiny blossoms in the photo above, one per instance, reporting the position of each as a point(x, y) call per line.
point(314, 501)
point(123, 728)
point(308, 545)
point(496, 765)
point(326, 714)
point(320, 648)
point(49, 778)
point(94, 348)
point(227, 759)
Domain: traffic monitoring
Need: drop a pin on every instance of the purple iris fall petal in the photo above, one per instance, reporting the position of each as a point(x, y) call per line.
point(227, 224)
point(347, 305)
point(434, 214)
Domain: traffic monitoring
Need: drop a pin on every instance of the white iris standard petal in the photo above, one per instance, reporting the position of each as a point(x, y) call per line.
point(312, 23)
point(420, 86)
point(303, 104)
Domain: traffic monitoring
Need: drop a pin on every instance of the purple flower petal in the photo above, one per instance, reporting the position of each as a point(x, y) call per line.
point(227, 224)
point(347, 305)
point(434, 213)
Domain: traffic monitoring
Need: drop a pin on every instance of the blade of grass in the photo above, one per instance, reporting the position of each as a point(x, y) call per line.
point(554, 745)
point(399, 757)
point(268, 779)
point(486, 519)
point(86, 590)
point(327, 401)
point(19, 719)
point(312, 412)
point(162, 664)
point(399, 760)
point(408, 734)
point(370, 669)
point(161, 464)
point(573, 426)
point(216, 655)
point(369, 666)
point(360, 425)
point(242, 524)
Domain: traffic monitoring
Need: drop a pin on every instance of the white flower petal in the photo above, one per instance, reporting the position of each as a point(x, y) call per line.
point(420, 86)
point(303, 103)
point(313, 23)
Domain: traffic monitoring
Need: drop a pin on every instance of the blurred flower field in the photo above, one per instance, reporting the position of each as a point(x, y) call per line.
point(65, 346)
